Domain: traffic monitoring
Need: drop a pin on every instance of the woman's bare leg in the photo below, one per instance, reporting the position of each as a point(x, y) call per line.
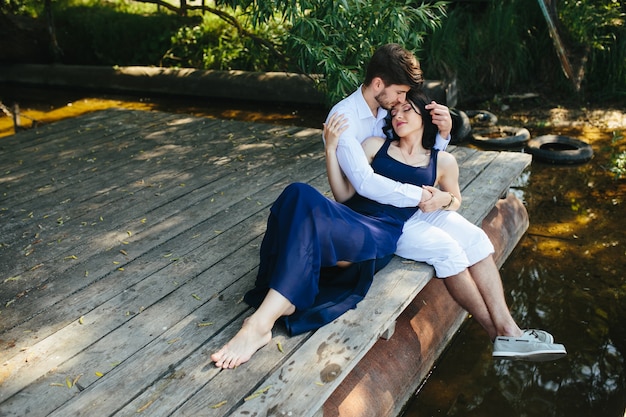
point(255, 332)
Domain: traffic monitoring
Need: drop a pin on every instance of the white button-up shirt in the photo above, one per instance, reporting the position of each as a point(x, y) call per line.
point(353, 161)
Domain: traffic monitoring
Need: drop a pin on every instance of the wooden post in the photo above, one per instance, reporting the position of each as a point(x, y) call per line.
point(16, 118)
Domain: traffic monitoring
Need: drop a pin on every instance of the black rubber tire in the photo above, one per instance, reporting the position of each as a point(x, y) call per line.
point(481, 118)
point(508, 136)
point(555, 149)
point(461, 128)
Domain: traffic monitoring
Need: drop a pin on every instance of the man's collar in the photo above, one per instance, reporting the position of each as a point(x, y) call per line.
point(363, 108)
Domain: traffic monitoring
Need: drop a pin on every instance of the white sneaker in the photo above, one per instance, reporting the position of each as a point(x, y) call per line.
point(533, 345)
point(540, 335)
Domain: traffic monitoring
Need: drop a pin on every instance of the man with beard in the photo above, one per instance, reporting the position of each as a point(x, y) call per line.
point(391, 73)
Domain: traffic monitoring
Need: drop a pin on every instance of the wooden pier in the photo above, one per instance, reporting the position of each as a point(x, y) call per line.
point(127, 240)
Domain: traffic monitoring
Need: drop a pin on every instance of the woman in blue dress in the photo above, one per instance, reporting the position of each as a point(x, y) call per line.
point(318, 256)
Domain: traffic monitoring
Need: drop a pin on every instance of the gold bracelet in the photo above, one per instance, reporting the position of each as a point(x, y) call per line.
point(452, 198)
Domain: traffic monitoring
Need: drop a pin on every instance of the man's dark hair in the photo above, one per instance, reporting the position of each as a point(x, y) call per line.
point(394, 65)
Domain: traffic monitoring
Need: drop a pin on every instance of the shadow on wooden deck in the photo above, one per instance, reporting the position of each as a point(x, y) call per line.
point(125, 236)
point(128, 239)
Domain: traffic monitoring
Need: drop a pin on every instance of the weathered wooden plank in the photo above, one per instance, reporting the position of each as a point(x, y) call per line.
point(128, 340)
point(264, 195)
point(152, 145)
point(336, 348)
point(145, 318)
point(140, 154)
point(62, 158)
point(53, 135)
point(125, 215)
point(492, 181)
point(145, 253)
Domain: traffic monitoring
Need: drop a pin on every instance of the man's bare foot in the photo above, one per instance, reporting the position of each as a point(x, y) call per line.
point(240, 348)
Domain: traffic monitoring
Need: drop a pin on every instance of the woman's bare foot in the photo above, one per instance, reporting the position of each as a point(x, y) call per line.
point(255, 332)
point(240, 348)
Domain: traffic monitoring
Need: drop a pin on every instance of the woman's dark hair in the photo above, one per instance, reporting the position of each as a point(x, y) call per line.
point(418, 101)
point(394, 64)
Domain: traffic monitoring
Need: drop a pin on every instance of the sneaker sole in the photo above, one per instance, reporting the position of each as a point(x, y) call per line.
point(534, 356)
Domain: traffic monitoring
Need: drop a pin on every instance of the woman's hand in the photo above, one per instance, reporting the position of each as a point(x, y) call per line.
point(333, 129)
point(339, 184)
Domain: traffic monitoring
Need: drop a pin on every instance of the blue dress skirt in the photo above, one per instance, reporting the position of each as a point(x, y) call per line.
point(307, 234)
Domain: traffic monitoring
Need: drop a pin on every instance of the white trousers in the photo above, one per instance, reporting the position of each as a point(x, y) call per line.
point(445, 240)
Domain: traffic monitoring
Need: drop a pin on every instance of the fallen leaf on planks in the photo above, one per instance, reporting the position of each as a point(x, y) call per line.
point(218, 405)
point(257, 393)
point(145, 406)
point(15, 278)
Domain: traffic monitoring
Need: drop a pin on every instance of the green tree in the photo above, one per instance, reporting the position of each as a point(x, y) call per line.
point(335, 39)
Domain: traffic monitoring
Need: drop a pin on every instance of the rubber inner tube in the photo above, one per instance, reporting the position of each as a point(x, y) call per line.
point(481, 117)
point(505, 136)
point(556, 149)
point(461, 127)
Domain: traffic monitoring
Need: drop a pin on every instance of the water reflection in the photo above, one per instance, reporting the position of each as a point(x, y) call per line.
point(567, 276)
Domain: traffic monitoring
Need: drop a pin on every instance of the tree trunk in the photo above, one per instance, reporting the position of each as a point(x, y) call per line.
point(54, 45)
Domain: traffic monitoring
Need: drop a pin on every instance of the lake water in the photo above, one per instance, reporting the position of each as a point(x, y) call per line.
point(567, 275)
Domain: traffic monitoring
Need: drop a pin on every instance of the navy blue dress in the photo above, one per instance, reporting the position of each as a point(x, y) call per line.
point(307, 234)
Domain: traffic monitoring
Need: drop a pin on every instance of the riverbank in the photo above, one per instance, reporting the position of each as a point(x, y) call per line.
point(44, 93)
point(275, 97)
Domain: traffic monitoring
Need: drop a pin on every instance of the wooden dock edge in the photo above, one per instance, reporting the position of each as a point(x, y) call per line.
point(387, 377)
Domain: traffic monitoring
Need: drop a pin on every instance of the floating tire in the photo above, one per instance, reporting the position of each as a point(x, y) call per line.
point(500, 136)
point(555, 149)
point(461, 127)
point(481, 118)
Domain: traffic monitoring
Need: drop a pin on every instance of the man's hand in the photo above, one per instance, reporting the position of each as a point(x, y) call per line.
point(441, 118)
point(436, 200)
point(426, 195)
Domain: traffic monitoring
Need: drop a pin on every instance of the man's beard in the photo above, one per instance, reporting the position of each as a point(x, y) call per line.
point(382, 101)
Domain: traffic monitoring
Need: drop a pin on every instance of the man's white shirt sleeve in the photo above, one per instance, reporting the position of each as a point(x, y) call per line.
point(353, 161)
